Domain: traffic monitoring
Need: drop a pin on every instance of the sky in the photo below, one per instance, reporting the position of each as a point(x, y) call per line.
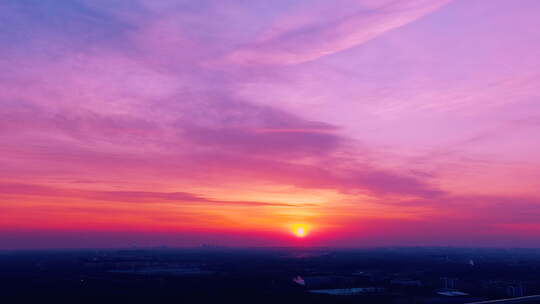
point(236, 123)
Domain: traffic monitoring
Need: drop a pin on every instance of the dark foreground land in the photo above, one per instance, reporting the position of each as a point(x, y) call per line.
point(279, 275)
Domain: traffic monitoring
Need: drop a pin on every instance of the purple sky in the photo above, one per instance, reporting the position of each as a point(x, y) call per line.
point(177, 122)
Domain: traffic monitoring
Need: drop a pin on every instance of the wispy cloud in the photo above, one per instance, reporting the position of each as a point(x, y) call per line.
point(312, 31)
point(184, 198)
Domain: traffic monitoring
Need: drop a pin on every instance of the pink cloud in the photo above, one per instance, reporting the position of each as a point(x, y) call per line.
point(309, 33)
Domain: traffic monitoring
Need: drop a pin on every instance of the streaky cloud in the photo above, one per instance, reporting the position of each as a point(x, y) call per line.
point(321, 36)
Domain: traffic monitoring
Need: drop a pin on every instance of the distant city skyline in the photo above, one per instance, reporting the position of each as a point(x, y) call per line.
point(347, 123)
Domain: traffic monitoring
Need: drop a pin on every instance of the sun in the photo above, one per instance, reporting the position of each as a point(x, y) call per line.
point(300, 231)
